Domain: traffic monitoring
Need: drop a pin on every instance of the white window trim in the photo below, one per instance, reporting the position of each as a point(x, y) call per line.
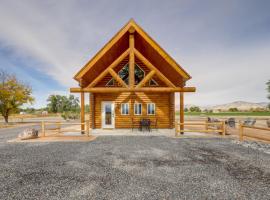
point(135, 106)
point(122, 109)
point(154, 108)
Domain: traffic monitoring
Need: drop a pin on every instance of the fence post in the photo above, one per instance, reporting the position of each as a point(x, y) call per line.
point(223, 128)
point(87, 128)
point(241, 131)
point(42, 129)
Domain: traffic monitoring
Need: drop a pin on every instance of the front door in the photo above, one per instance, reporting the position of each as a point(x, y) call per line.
point(107, 108)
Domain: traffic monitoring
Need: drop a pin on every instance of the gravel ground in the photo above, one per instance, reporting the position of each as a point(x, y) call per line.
point(264, 147)
point(133, 167)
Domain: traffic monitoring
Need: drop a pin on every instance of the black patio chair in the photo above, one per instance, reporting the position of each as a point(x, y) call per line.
point(145, 124)
point(249, 122)
point(231, 122)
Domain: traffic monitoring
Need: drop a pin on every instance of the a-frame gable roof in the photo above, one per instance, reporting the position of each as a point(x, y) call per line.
point(146, 37)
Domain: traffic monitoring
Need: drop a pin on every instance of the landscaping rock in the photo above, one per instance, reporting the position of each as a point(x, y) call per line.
point(28, 134)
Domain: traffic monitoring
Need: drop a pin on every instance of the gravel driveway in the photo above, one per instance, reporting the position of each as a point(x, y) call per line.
point(133, 167)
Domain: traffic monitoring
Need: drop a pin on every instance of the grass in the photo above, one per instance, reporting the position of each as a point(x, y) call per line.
point(266, 113)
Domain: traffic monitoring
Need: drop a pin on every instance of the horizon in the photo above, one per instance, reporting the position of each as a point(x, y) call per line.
point(220, 44)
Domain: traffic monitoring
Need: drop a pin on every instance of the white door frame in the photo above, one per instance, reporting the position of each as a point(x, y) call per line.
point(103, 125)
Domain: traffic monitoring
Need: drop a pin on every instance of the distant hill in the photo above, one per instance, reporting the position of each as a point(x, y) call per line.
point(240, 105)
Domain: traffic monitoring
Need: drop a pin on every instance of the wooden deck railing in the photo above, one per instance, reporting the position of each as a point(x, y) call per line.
point(209, 127)
point(58, 129)
point(256, 135)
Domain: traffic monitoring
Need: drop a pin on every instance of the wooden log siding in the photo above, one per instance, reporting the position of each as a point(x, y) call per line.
point(163, 103)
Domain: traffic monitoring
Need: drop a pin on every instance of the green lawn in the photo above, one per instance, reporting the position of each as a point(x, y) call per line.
point(227, 114)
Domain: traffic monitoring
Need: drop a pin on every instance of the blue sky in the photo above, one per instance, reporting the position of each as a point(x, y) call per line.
point(224, 45)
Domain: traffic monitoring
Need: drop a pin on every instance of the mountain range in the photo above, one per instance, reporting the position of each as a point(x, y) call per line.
point(240, 105)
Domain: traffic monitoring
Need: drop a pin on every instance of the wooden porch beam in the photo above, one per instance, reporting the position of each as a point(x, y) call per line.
point(131, 57)
point(122, 89)
point(146, 78)
point(152, 67)
point(117, 78)
point(106, 71)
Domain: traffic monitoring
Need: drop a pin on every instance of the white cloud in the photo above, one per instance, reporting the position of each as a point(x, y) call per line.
point(208, 38)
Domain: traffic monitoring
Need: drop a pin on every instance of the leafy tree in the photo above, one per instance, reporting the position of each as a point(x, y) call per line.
point(186, 110)
point(194, 109)
point(13, 94)
point(60, 104)
point(233, 110)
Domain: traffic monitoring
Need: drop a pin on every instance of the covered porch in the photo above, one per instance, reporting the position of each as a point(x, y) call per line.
point(91, 116)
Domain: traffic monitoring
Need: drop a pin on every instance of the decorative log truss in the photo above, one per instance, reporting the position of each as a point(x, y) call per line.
point(131, 52)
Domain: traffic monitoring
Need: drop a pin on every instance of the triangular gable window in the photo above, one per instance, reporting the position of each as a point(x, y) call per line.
point(152, 82)
point(139, 74)
point(124, 75)
point(111, 82)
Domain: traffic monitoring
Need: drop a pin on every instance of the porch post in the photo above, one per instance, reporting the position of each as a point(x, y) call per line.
point(82, 111)
point(91, 110)
point(181, 111)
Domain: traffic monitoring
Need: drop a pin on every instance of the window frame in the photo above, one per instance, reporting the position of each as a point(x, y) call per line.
point(148, 104)
point(156, 84)
point(140, 69)
point(107, 84)
point(127, 108)
point(135, 104)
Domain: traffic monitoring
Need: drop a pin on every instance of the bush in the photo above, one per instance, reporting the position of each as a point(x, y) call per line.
point(233, 110)
point(70, 115)
point(195, 109)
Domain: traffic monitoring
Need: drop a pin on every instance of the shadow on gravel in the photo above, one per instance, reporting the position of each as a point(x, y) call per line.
point(238, 169)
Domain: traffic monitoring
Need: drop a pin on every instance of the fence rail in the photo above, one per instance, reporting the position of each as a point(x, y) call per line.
point(260, 136)
point(59, 130)
point(209, 127)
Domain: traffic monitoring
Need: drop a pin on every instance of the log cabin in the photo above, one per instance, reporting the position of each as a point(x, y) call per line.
point(129, 79)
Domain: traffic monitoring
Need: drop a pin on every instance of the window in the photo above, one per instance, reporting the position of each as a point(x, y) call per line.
point(124, 75)
point(124, 109)
point(137, 109)
point(110, 83)
point(138, 74)
point(152, 82)
point(151, 109)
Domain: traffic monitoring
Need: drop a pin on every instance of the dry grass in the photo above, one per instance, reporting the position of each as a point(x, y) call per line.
point(57, 139)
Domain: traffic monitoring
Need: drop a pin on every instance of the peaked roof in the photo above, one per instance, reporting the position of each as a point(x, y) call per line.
point(119, 35)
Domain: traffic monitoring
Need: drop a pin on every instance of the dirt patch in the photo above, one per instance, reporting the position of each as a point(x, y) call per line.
point(57, 139)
